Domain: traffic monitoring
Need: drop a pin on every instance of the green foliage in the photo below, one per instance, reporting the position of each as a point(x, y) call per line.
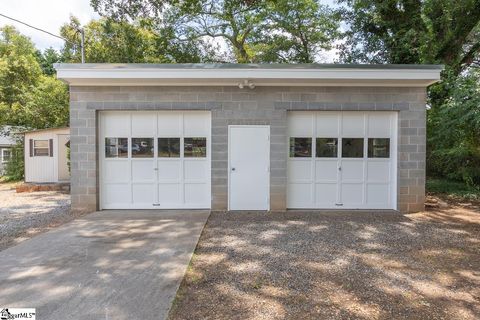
point(234, 22)
point(429, 31)
point(452, 188)
point(412, 31)
point(14, 169)
point(240, 31)
point(454, 131)
point(28, 98)
point(297, 31)
point(124, 9)
point(112, 41)
point(47, 58)
point(19, 70)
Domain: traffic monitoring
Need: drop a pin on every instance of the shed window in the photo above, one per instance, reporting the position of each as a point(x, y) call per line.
point(41, 148)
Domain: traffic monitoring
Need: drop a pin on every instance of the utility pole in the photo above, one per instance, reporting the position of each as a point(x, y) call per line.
point(82, 45)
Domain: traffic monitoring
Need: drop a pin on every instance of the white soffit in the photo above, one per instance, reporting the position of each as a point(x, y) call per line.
point(268, 75)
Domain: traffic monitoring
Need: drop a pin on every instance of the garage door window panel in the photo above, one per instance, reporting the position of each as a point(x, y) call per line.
point(169, 147)
point(327, 147)
point(300, 147)
point(378, 147)
point(352, 148)
point(142, 148)
point(195, 147)
point(116, 147)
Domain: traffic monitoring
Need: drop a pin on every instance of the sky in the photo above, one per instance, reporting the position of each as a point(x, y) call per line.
point(50, 15)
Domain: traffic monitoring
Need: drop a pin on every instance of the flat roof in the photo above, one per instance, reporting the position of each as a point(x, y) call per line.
point(200, 74)
point(267, 66)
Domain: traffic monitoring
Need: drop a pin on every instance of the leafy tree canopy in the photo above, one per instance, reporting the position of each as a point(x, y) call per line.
point(28, 97)
point(454, 131)
point(237, 30)
point(412, 31)
point(112, 41)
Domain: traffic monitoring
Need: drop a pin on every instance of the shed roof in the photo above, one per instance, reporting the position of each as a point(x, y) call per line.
point(45, 130)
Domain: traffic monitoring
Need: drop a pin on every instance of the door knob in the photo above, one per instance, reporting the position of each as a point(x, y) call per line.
point(233, 169)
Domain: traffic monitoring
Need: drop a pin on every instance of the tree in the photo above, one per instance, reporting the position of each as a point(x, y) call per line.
point(297, 31)
point(121, 9)
point(234, 23)
point(238, 30)
point(454, 132)
point(47, 58)
point(412, 31)
point(112, 41)
point(19, 69)
point(429, 31)
point(28, 98)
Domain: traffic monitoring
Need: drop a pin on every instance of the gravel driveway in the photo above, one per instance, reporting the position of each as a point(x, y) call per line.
point(304, 265)
point(23, 215)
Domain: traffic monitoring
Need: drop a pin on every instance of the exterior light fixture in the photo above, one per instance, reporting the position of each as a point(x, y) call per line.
point(246, 83)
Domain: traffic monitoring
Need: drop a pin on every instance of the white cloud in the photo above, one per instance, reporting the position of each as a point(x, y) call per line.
point(45, 14)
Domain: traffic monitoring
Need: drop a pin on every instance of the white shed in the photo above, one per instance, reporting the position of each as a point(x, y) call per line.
point(46, 155)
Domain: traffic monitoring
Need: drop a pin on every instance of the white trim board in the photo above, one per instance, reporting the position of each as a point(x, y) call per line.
point(134, 76)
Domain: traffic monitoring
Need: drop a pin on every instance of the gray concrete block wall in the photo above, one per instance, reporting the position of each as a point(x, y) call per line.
point(262, 105)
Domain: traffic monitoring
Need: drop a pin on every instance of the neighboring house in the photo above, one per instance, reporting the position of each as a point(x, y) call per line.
point(7, 141)
point(46, 159)
point(248, 137)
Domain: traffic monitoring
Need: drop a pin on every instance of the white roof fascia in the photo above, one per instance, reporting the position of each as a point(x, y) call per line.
point(260, 77)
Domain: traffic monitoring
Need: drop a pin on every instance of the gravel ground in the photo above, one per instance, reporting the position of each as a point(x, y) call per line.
point(23, 215)
point(304, 265)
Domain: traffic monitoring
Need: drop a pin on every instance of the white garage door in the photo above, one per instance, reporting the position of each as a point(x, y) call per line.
point(155, 160)
point(343, 160)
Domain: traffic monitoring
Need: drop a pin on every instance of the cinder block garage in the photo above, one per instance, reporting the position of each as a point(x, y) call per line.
point(247, 137)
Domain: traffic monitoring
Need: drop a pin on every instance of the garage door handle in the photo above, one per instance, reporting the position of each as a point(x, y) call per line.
point(156, 169)
point(233, 169)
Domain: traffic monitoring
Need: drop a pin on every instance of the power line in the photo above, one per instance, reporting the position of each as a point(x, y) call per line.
point(52, 34)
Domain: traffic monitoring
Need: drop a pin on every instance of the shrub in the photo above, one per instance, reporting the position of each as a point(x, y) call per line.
point(15, 168)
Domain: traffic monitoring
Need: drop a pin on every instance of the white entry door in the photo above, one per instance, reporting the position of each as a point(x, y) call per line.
point(155, 160)
point(249, 167)
point(342, 160)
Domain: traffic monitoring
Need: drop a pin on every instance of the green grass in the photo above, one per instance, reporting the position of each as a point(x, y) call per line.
point(453, 189)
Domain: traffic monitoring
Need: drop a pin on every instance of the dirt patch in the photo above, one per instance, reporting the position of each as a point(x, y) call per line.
point(302, 265)
point(24, 215)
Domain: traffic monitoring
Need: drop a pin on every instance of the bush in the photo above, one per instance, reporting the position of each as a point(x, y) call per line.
point(15, 168)
point(453, 188)
point(453, 140)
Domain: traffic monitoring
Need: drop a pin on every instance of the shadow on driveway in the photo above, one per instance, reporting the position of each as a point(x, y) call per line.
point(307, 265)
point(106, 265)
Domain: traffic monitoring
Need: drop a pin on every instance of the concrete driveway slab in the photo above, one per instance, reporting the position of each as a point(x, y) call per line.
point(117, 264)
